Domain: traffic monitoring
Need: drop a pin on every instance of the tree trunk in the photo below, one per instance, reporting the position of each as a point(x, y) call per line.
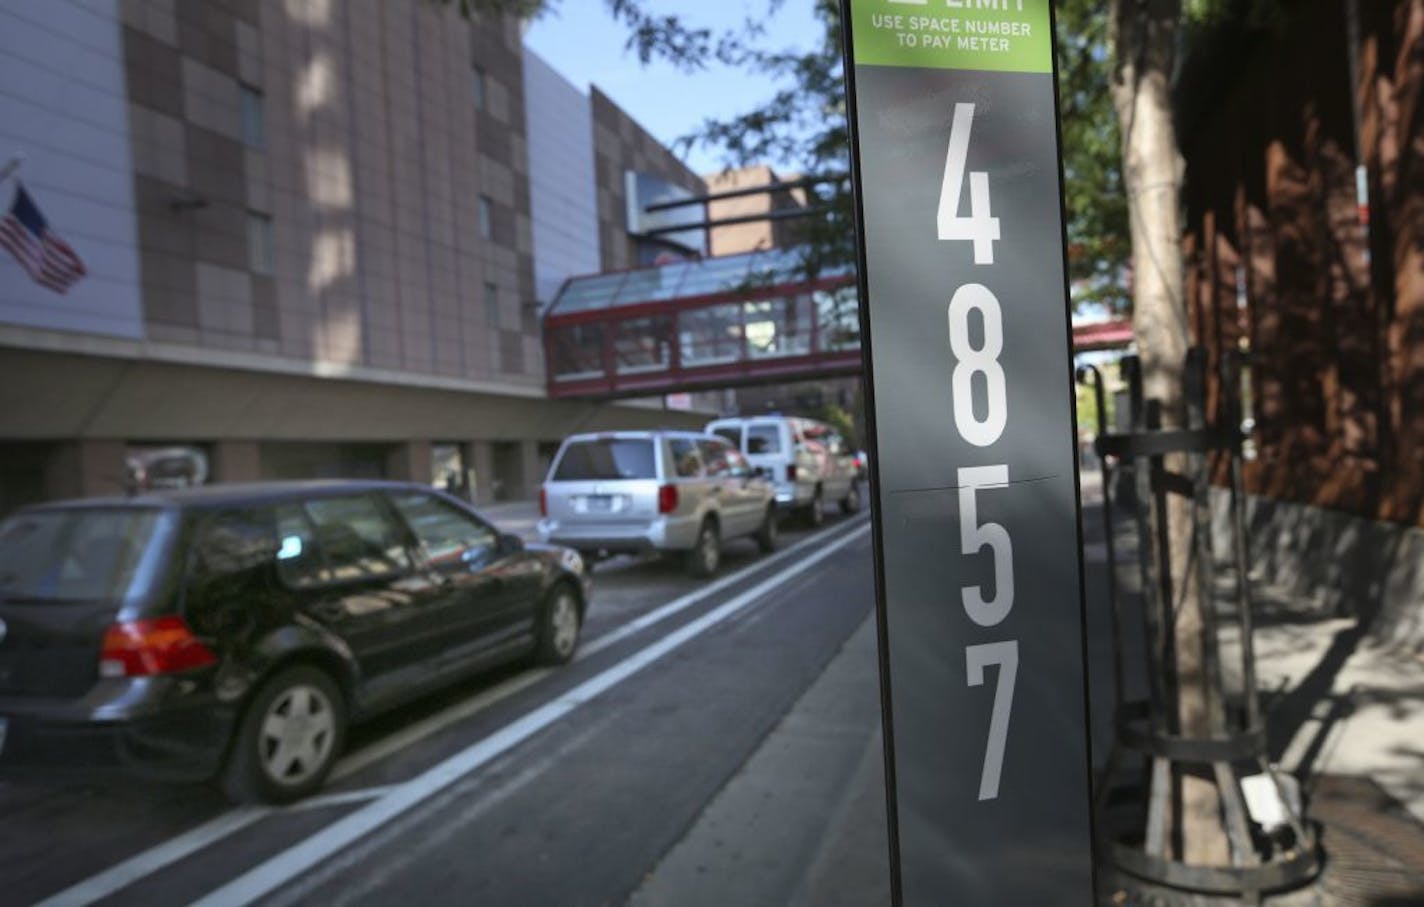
point(1145, 34)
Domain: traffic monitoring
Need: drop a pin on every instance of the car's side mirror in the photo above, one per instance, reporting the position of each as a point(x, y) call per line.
point(509, 542)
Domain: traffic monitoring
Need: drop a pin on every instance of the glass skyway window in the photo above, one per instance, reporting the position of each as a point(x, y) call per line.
point(717, 321)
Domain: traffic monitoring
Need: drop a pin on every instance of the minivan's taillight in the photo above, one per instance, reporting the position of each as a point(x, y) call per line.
point(667, 498)
point(143, 648)
point(791, 472)
point(543, 501)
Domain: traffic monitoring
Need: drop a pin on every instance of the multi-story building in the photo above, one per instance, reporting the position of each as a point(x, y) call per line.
point(758, 220)
point(318, 235)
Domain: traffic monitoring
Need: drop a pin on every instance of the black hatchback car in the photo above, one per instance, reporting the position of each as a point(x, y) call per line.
point(235, 632)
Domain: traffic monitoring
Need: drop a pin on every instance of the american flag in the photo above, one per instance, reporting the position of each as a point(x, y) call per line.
point(44, 256)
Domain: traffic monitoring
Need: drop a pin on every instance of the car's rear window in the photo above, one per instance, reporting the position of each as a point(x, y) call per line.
point(763, 438)
point(733, 434)
point(71, 555)
point(607, 458)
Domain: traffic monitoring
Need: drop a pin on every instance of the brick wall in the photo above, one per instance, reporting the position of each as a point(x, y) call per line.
point(1332, 309)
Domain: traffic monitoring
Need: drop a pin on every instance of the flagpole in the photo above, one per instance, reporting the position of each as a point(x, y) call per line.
point(11, 166)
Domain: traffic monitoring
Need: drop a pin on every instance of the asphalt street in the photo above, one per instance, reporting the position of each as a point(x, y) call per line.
point(521, 787)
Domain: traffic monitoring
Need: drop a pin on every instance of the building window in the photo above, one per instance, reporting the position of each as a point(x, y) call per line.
point(486, 218)
point(254, 125)
point(259, 242)
point(477, 87)
point(492, 305)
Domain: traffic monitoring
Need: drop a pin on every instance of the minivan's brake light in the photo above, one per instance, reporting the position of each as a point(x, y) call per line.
point(543, 501)
point(143, 648)
point(667, 498)
point(791, 472)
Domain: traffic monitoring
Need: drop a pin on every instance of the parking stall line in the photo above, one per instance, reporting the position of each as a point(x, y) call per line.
point(141, 865)
point(338, 798)
point(409, 736)
point(123, 874)
point(663, 612)
point(265, 878)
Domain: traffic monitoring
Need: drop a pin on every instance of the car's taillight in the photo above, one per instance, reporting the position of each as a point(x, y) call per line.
point(543, 502)
point(142, 648)
point(667, 498)
point(791, 472)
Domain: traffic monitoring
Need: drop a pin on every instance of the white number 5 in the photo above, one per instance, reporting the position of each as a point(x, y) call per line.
point(974, 537)
point(980, 227)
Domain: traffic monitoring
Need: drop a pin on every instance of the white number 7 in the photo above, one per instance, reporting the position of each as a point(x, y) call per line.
point(980, 227)
point(1006, 656)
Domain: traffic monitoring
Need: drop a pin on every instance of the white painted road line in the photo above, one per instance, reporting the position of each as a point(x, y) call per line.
point(411, 734)
point(175, 849)
point(150, 861)
point(123, 874)
point(405, 737)
point(268, 876)
point(338, 798)
point(680, 604)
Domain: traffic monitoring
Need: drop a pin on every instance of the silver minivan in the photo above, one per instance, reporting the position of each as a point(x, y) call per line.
point(626, 492)
point(808, 461)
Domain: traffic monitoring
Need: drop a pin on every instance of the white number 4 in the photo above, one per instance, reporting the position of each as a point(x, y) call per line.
point(980, 227)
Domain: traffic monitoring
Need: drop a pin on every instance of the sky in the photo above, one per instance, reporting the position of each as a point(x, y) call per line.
point(580, 40)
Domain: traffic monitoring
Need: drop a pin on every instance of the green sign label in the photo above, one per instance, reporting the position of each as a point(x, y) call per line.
point(989, 35)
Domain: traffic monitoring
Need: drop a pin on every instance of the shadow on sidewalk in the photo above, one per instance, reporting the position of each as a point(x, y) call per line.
point(1374, 845)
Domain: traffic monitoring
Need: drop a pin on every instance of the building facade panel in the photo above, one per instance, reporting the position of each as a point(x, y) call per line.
point(62, 103)
point(348, 138)
point(562, 182)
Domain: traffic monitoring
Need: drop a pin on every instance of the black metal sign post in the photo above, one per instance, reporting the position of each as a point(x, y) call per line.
point(970, 400)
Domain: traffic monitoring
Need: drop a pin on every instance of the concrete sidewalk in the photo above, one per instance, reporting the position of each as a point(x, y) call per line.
point(804, 822)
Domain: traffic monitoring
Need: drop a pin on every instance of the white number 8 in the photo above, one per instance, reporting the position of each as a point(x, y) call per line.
point(985, 360)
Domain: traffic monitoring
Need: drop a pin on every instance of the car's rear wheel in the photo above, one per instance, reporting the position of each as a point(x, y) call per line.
point(766, 535)
point(289, 738)
point(851, 502)
point(706, 554)
point(559, 625)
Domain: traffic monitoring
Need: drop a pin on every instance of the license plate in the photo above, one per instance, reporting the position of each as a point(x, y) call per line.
point(601, 503)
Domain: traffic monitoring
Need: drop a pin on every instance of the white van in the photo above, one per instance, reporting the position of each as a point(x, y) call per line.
point(631, 491)
point(808, 462)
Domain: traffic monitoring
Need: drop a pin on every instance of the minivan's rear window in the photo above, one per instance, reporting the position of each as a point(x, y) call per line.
point(70, 555)
point(607, 458)
point(763, 438)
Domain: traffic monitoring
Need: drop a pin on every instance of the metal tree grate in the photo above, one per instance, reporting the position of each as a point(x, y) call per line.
point(1134, 813)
